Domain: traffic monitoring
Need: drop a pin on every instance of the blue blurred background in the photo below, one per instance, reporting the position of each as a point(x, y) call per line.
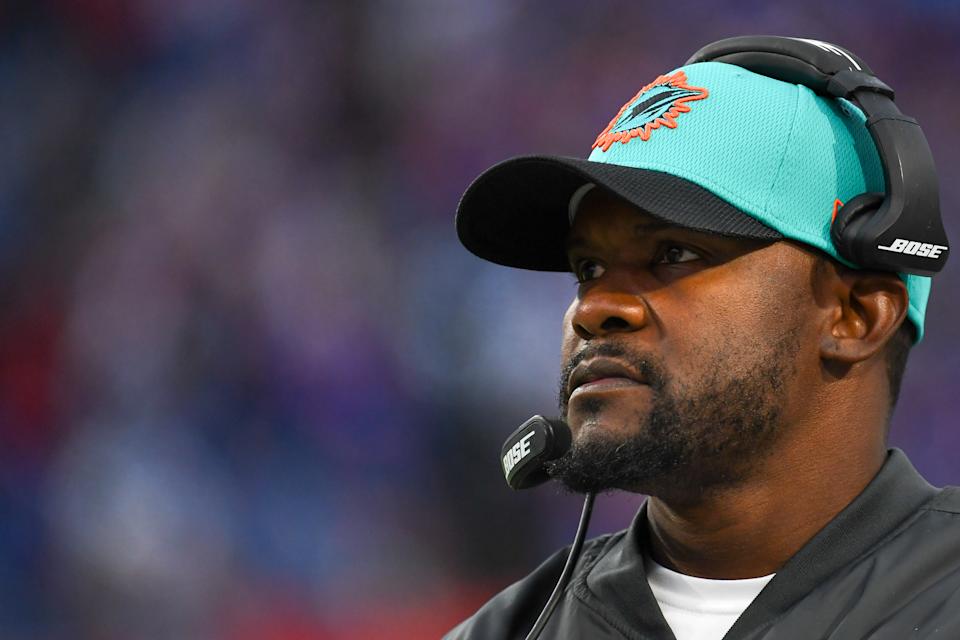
point(251, 386)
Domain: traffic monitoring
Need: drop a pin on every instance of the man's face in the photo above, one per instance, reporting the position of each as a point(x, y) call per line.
point(707, 332)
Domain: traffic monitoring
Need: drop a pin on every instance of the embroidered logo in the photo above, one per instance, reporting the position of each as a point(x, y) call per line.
point(657, 104)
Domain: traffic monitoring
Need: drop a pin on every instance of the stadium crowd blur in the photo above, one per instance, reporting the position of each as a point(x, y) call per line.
point(251, 386)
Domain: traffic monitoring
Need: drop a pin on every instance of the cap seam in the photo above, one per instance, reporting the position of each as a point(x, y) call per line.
point(783, 157)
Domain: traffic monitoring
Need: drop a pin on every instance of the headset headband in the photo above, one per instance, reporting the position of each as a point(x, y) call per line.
point(897, 231)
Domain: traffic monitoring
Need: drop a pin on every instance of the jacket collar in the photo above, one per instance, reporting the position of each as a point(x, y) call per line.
point(614, 582)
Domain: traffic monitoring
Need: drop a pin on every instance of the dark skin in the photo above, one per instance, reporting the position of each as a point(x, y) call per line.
point(681, 295)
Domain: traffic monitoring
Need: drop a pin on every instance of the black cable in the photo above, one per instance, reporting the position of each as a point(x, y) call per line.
point(567, 569)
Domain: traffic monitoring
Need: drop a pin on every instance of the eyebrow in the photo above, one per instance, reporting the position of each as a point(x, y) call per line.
point(641, 228)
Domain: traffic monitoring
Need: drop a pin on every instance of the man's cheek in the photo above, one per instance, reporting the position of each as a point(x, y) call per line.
point(569, 343)
point(567, 323)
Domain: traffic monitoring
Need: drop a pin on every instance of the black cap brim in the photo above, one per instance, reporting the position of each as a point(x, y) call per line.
point(515, 213)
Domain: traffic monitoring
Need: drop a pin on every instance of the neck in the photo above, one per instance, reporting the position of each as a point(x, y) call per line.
point(752, 529)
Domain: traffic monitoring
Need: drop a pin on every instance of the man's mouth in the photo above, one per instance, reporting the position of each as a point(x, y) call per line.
point(602, 374)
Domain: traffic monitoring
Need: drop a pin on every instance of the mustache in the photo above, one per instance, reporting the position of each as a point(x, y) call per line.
point(652, 369)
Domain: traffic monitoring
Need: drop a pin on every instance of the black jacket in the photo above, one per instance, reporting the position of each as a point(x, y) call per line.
point(886, 567)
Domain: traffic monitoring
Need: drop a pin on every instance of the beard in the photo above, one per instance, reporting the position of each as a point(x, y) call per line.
point(692, 440)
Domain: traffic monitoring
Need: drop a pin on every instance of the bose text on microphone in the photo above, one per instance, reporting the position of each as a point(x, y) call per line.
point(535, 442)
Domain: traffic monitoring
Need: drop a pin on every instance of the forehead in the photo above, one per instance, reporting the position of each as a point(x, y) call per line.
point(604, 221)
point(602, 216)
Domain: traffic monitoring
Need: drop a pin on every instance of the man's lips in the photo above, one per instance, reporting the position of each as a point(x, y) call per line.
point(601, 374)
point(605, 384)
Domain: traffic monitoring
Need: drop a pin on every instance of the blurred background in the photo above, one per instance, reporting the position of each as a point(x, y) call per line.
point(251, 386)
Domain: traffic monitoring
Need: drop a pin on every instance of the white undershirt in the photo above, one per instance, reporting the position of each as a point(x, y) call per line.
point(699, 608)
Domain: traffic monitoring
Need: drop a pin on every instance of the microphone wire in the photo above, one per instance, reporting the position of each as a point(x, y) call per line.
point(567, 569)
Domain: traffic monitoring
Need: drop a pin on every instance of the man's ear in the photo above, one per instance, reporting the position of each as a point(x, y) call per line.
point(864, 310)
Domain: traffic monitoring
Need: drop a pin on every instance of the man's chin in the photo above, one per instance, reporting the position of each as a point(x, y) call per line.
point(598, 430)
point(605, 423)
point(678, 468)
point(598, 461)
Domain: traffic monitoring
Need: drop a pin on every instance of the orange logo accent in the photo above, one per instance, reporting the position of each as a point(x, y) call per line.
point(657, 104)
point(836, 207)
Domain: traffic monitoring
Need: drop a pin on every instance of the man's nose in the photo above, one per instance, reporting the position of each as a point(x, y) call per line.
point(603, 310)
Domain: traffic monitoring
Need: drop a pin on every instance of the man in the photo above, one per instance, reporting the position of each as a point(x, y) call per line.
point(723, 359)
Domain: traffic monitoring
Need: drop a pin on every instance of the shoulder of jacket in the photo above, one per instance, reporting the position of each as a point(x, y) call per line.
point(512, 612)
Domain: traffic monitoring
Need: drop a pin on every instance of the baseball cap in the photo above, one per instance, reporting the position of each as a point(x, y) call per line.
point(709, 146)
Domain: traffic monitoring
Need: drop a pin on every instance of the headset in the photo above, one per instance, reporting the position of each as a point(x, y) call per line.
point(900, 230)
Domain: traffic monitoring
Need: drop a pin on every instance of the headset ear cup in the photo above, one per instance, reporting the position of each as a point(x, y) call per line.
point(849, 220)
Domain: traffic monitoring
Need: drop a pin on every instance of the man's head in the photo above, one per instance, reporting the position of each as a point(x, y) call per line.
point(699, 230)
point(733, 346)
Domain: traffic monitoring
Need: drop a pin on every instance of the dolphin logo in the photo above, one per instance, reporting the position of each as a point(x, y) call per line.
point(650, 108)
point(657, 104)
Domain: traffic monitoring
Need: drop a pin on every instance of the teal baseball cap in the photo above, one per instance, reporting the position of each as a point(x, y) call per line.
point(709, 146)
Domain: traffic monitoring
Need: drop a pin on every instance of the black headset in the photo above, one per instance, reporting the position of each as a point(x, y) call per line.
point(897, 231)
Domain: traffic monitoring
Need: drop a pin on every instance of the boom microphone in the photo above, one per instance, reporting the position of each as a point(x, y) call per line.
point(523, 455)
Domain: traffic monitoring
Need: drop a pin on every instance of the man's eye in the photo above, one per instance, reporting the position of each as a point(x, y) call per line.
point(676, 254)
point(587, 270)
